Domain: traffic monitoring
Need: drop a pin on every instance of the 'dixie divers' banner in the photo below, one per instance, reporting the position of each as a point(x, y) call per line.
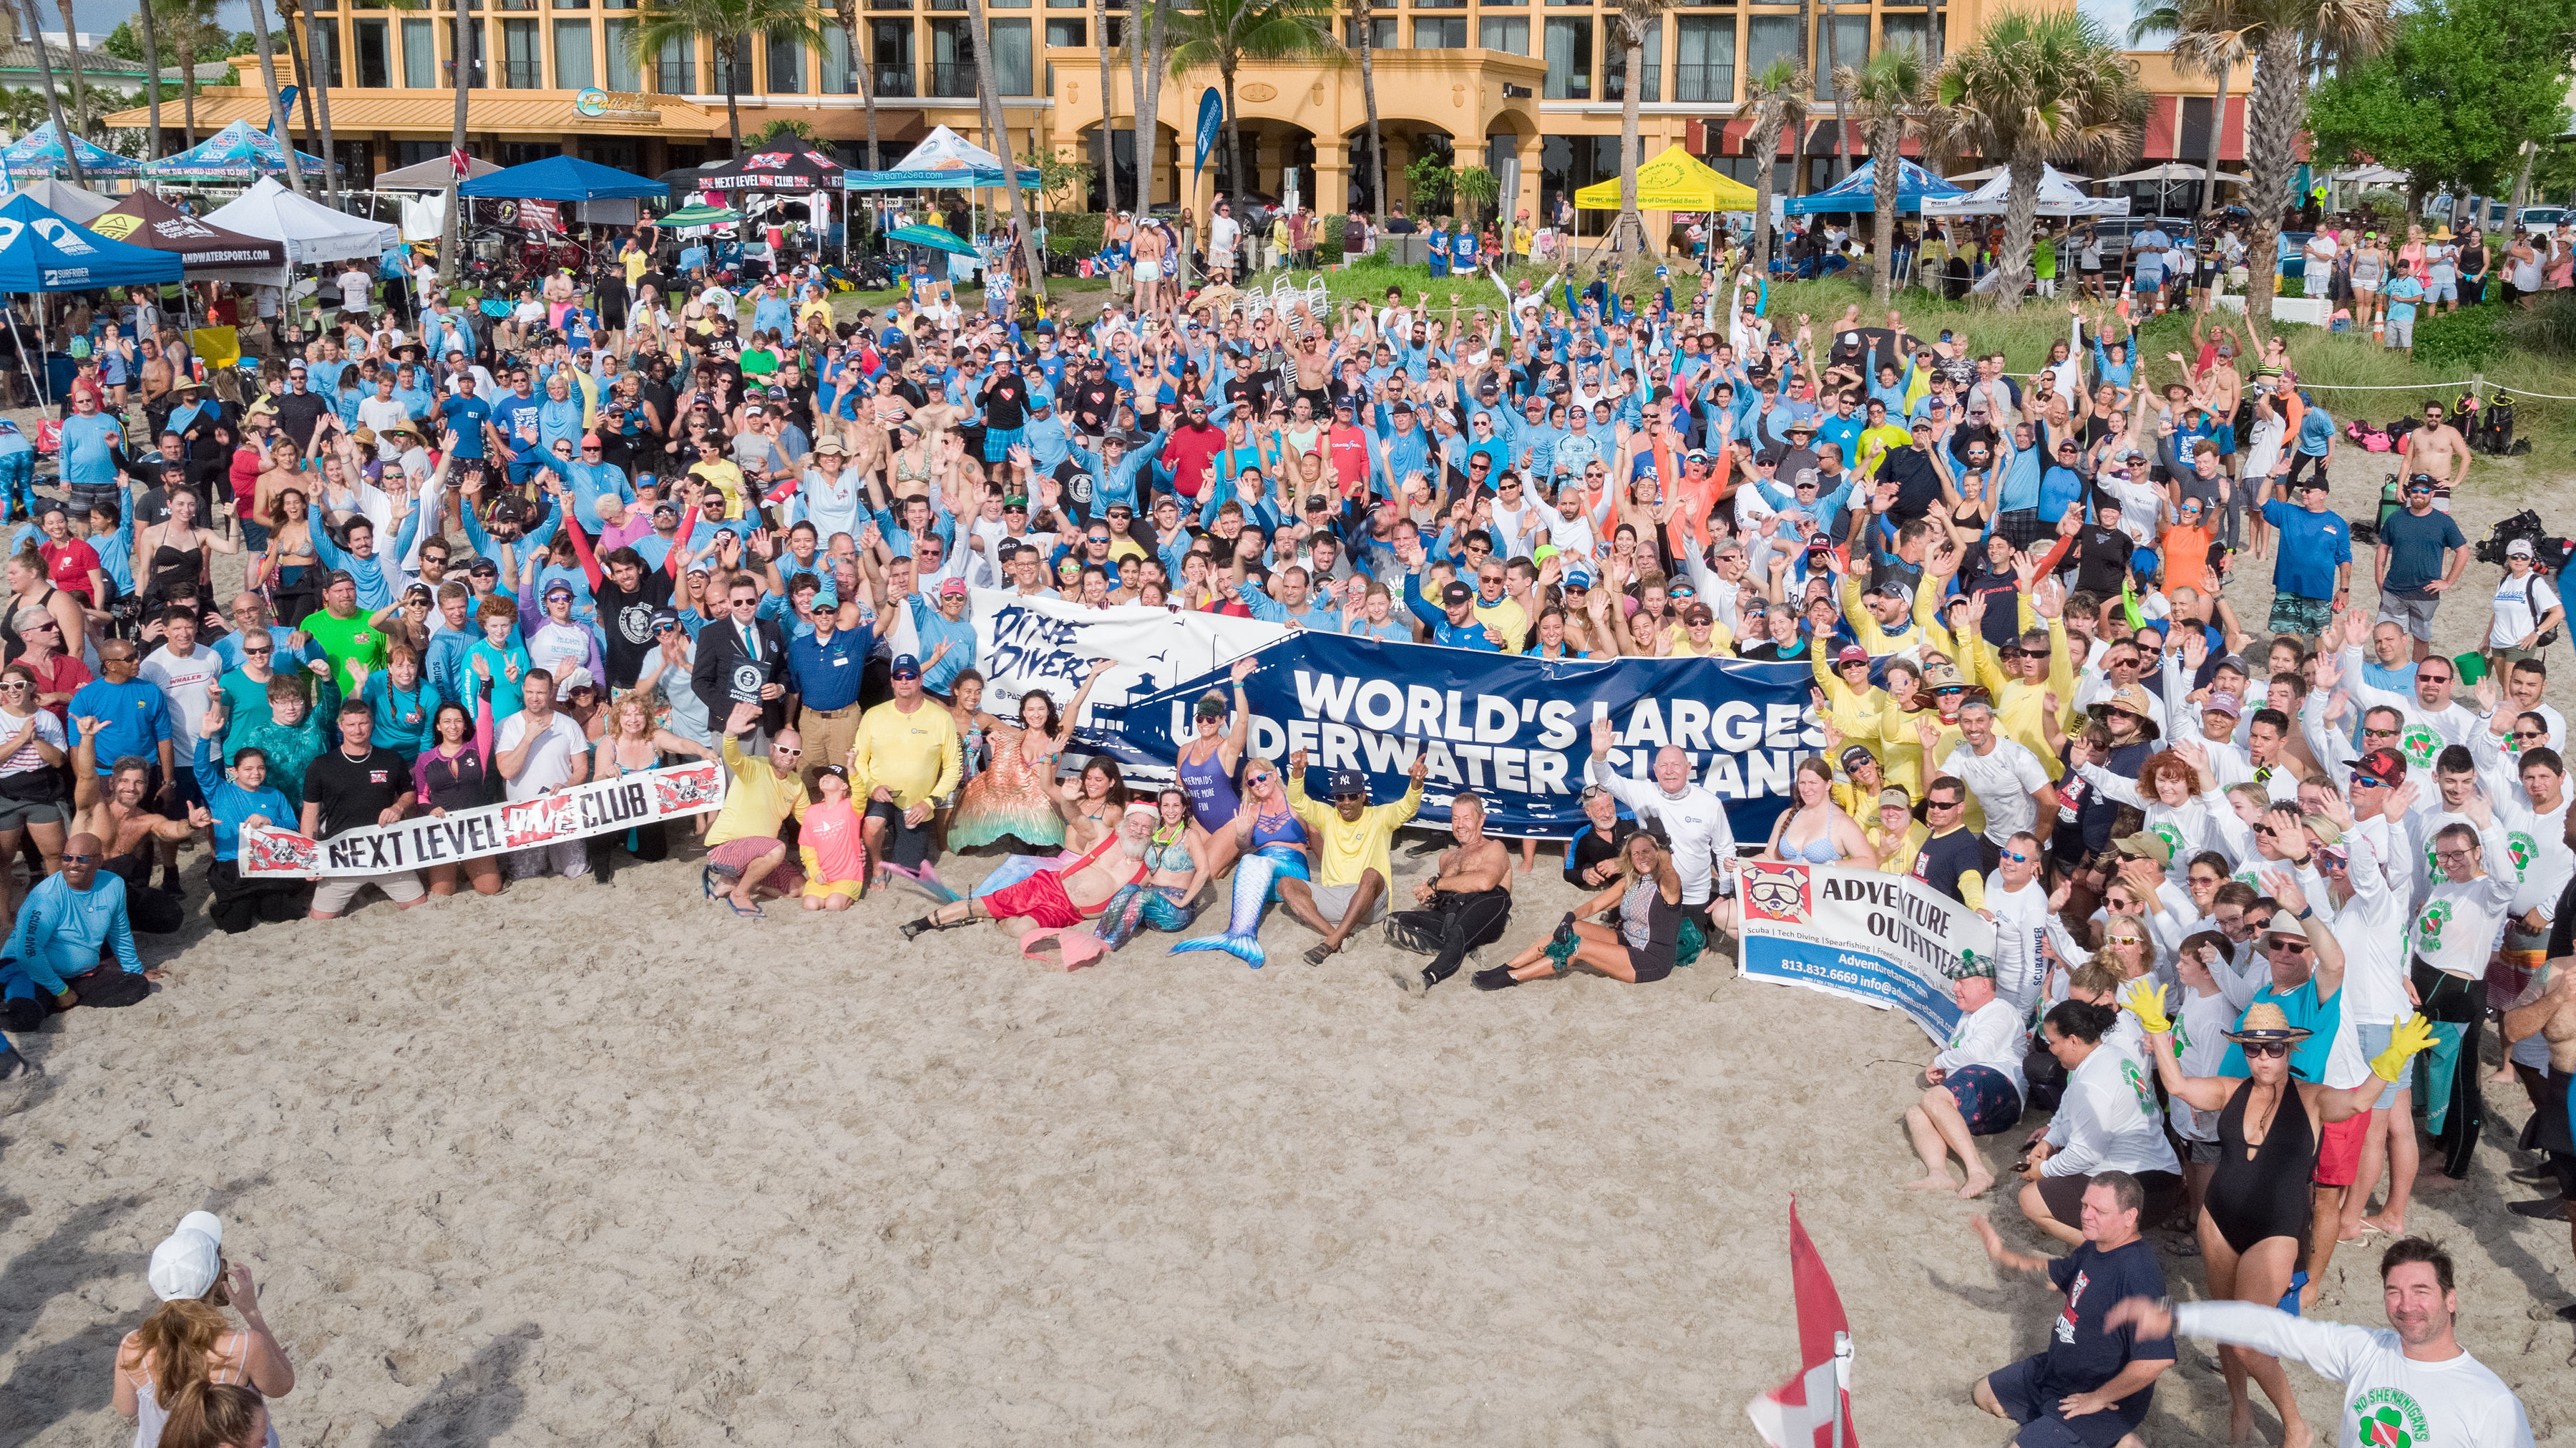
point(1024, 643)
point(1516, 731)
point(1890, 941)
point(597, 808)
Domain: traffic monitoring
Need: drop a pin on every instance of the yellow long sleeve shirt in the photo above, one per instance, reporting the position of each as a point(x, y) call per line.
point(1855, 715)
point(916, 755)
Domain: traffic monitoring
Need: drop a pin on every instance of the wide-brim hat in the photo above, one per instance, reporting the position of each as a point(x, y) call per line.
point(2265, 1021)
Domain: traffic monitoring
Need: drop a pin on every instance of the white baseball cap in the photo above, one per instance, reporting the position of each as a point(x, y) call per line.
point(186, 1263)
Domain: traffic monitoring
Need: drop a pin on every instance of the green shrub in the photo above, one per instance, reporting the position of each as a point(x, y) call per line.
point(1075, 233)
point(2469, 338)
point(2548, 328)
point(1327, 253)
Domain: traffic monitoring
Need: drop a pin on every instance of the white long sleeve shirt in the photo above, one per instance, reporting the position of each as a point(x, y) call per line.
point(2108, 1120)
point(1694, 819)
point(2021, 926)
point(1989, 1036)
point(2386, 1394)
point(2371, 928)
point(2459, 925)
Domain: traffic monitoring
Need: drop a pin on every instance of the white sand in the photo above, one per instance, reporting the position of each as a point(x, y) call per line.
point(597, 1165)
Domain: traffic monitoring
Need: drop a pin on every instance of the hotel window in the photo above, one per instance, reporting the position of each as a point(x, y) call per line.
point(375, 54)
point(420, 54)
point(572, 55)
point(1569, 59)
point(729, 68)
point(522, 66)
point(786, 67)
point(1851, 48)
point(330, 56)
point(1069, 5)
point(1381, 33)
point(892, 54)
point(572, 4)
point(671, 69)
point(1704, 59)
point(1064, 34)
point(1503, 32)
point(889, 4)
point(1913, 31)
point(623, 72)
point(1014, 70)
point(952, 60)
point(1768, 38)
point(839, 78)
point(1614, 61)
point(1440, 32)
point(1439, 4)
point(518, 4)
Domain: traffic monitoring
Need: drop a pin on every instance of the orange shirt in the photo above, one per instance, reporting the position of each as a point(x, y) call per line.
point(2186, 555)
point(828, 837)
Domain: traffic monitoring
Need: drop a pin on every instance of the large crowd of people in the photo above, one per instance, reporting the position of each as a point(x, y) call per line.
point(668, 513)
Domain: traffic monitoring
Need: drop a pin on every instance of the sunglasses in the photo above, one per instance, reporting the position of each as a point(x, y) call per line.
point(2019, 858)
point(1259, 778)
point(79, 859)
point(1943, 803)
point(2531, 734)
point(2265, 1050)
point(15, 688)
point(2125, 940)
point(777, 748)
point(2291, 947)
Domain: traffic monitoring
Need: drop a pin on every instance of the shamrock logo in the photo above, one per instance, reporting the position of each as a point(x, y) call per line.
point(2428, 926)
point(2385, 1429)
point(2421, 745)
point(2137, 1079)
point(2172, 838)
point(2522, 848)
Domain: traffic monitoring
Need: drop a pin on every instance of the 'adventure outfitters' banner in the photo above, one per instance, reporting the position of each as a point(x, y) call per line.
point(1884, 940)
point(597, 808)
point(1514, 730)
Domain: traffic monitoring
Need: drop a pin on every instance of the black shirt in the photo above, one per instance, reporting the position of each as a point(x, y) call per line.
point(298, 413)
point(1589, 849)
point(2084, 1352)
point(2102, 558)
point(1944, 858)
point(627, 621)
point(1094, 403)
point(354, 793)
point(1006, 401)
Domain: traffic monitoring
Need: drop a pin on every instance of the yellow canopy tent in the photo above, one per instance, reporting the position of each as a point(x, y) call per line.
point(1673, 181)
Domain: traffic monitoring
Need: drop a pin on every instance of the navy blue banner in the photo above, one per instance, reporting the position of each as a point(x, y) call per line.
point(1516, 731)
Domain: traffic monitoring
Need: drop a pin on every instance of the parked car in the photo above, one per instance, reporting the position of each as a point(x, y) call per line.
point(2541, 218)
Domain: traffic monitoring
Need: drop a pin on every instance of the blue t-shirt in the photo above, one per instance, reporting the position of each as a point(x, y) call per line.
point(2415, 548)
point(2312, 547)
point(467, 416)
point(88, 442)
point(2316, 430)
point(2402, 295)
point(2083, 1353)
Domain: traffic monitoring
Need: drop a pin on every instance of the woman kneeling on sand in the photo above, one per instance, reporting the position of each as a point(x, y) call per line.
point(1643, 948)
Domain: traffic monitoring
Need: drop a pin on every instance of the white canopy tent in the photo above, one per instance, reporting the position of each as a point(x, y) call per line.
point(434, 174)
point(2177, 172)
point(310, 231)
point(66, 200)
point(945, 150)
point(2059, 195)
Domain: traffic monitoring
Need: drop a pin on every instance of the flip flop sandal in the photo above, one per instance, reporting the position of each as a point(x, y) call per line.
point(1319, 955)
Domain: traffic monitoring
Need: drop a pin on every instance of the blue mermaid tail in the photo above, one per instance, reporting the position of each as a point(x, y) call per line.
point(1241, 939)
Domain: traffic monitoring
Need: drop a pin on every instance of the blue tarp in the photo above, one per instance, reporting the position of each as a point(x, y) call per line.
point(938, 180)
point(42, 252)
point(561, 178)
point(1859, 190)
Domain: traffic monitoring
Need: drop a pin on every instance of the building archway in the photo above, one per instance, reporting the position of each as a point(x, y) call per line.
point(1166, 161)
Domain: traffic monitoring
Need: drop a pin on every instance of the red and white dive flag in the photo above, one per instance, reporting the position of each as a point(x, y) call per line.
point(1813, 1409)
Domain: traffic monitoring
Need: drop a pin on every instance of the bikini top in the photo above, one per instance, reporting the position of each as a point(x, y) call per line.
point(1819, 851)
point(1170, 850)
point(1283, 828)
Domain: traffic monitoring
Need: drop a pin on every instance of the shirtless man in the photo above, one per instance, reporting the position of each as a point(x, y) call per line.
point(1466, 902)
point(2553, 1018)
point(125, 825)
point(2437, 450)
point(1060, 897)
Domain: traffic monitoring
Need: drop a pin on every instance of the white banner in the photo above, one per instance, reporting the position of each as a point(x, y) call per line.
point(597, 808)
point(1884, 940)
point(1023, 644)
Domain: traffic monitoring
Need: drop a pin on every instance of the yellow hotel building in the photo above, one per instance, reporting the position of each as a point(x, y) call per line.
point(1529, 88)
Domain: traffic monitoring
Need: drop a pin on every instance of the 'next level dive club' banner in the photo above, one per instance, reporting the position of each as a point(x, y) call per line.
point(1516, 731)
point(1890, 941)
point(602, 806)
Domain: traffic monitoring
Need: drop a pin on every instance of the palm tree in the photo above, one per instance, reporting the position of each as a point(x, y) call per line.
point(1138, 64)
point(468, 45)
point(988, 98)
point(2291, 40)
point(1106, 137)
point(728, 25)
point(189, 24)
point(1887, 94)
point(319, 95)
point(847, 12)
point(1635, 19)
point(1367, 26)
point(71, 49)
point(290, 17)
point(2035, 85)
point(1776, 98)
point(1835, 72)
point(2206, 37)
point(151, 82)
point(276, 109)
point(1224, 34)
point(1149, 109)
point(53, 98)
point(1806, 67)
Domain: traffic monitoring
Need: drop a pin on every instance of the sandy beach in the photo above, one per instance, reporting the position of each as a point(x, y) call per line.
point(597, 1164)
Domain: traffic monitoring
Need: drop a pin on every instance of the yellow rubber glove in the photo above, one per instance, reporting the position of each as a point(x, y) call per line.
point(2142, 999)
point(2411, 1035)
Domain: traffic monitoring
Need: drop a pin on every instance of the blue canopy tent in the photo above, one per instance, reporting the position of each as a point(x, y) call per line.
point(41, 251)
point(561, 178)
point(40, 153)
point(235, 153)
point(1859, 191)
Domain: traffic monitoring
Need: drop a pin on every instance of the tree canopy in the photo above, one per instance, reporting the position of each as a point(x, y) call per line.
point(2454, 95)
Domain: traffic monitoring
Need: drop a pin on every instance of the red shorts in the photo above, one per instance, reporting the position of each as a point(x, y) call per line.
point(2339, 1151)
point(1040, 897)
